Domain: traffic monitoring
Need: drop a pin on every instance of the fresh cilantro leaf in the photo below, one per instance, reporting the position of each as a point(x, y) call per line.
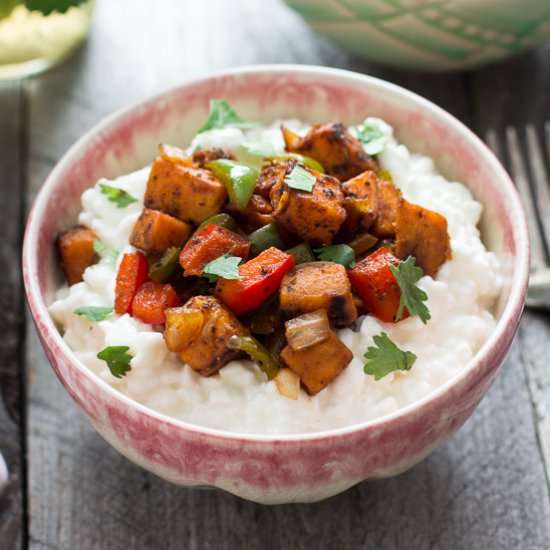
point(239, 180)
point(259, 149)
point(103, 250)
point(94, 313)
point(222, 115)
point(119, 196)
point(300, 179)
point(338, 253)
point(48, 6)
point(386, 357)
point(407, 274)
point(117, 359)
point(372, 137)
point(226, 267)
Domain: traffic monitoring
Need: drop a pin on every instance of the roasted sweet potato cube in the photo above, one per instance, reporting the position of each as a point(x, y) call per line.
point(76, 250)
point(341, 154)
point(189, 194)
point(319, 285)
point(155, 232)
point(319, 365)
point(314, 216)
point(271, 175)
point(174, 154)
point(361, 200)
point(422, 233)
point(199, 332)
point(388, 203)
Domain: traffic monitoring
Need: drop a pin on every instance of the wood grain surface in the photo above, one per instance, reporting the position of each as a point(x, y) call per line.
point(485, 488)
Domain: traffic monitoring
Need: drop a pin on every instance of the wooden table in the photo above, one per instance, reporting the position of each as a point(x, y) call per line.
point(485, 488)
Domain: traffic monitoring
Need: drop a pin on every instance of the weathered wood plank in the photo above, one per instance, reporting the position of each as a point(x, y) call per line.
point(11, 314)
point(483, 489)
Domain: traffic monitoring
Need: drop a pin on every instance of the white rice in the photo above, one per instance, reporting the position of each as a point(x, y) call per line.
point(240, 399)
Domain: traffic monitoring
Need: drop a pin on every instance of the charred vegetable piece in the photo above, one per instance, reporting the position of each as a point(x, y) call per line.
point(362, 243)
point(258, 211)
point(152, 300)
point(223, 220)
point(199, 332)
point(239, 180)
point(260, 278)
point(422, 233)
point(154, 232)
point(314, 216)
point(257, 353)
point(376, 285)
point(307, 330)
point(334, 147)
point(319, 285)
point(164, 268)
point(302, 253)
point(170, 153)
point(264, 319)
point(132, 273)
point(203, 156)
point(302, 159)
point(208, 244)
point(189, 194)
point(318, 365)
point(264, 238)
point(76, 250)
point(288, 383)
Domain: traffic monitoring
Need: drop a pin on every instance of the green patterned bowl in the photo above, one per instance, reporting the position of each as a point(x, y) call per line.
point(430, 34)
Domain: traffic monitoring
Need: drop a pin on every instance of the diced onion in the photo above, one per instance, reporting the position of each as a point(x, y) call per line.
point(288, 383)
point(307, 330)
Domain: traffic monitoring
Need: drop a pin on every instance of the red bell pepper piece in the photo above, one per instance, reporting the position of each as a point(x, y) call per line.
point(373, 281)
point(132, 273)
point(151, 301)
point(261, 277)
point(210, 243)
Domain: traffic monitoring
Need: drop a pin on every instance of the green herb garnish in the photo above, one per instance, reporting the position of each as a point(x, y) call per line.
point(222, 115)
point(226, 267)
point(239, 180)
point(119, 196)
point(372, 137)
point(300, 179)
point(407, 274)
point(103, 250)
point(337, 253)
point(94, 313)
point(48, 6)
point(386, 357)
point(117, 359)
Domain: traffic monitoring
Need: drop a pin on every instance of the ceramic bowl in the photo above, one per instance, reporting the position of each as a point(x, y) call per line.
point(282, 468)
point(428, 34)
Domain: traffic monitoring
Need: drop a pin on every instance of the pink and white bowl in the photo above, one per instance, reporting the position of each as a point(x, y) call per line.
point(285, 468)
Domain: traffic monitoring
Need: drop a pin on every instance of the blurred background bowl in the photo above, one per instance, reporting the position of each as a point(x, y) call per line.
point(436, 35)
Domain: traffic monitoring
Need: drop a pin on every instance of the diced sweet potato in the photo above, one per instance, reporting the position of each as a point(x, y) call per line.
point(334, 147)
point(189, 194)
point(258, 211)
point(319, 285)
point(76, 250)
point(272, 174)
point(361, 202)
point(174, 154)
point(388, 204)
point(314, 216)
point(422, 233)
point(320, 364)
point(155, 232)
point(203, 156)
point(199, 332)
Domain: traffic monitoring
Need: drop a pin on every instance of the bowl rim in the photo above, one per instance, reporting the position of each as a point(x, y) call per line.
point(510, 314)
